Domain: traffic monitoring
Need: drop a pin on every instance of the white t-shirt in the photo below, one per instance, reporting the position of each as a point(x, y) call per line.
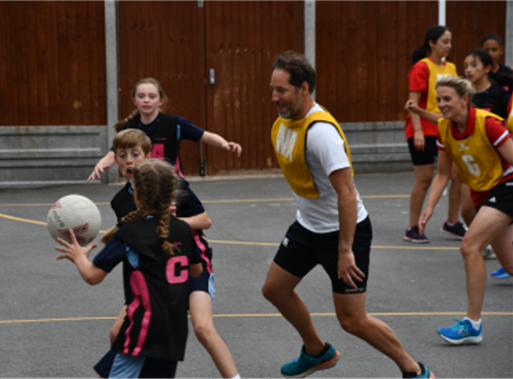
point(324, 153)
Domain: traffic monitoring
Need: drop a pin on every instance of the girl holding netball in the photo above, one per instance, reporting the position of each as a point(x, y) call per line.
point(479, 145)
point(132, 146)
point(428, 66)
point(158, 252)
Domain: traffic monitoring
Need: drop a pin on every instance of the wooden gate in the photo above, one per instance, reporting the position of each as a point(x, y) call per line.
point(179, 43)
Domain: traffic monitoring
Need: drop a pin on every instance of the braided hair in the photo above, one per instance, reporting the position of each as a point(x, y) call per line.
point(135, 113)
point(155, 182)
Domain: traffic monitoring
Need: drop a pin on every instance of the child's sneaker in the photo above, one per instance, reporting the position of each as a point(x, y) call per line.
point(500, 274)
point(456, 230)
point(461, 333)
point(425, 373)
point(488, 253)
point(307, 364)
point(412, 235)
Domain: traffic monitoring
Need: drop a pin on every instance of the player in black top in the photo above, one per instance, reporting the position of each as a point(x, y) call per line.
point(133, 146)
point(158, 252)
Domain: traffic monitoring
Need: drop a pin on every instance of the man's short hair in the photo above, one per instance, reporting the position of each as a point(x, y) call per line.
point(298, 67)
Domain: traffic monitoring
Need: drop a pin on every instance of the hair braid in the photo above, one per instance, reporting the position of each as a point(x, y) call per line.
point(155, 182)
point(129, 217)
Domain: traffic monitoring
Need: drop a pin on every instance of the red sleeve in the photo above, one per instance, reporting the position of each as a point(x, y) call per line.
point(418, 77)
point(439, 143)
point(497, 133)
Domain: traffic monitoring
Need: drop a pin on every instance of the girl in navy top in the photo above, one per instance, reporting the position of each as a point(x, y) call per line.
point(165, 130)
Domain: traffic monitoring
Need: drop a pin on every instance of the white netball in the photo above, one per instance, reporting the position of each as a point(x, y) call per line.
point(74, 212)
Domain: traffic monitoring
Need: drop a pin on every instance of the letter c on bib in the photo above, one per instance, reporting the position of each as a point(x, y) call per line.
point(171, 269)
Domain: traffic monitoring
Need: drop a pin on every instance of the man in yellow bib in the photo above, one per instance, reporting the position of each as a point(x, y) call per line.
point(332, 227)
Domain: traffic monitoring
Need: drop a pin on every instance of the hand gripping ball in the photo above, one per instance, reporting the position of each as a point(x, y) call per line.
point(74, 212)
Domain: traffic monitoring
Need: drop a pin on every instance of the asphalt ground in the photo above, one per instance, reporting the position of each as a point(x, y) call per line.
point(53, 324)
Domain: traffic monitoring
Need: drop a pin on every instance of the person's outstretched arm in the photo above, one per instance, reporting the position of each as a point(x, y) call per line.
point(103, 164)
point(214, 139)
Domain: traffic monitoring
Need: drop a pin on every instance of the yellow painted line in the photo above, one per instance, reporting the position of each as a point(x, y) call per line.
point(40, 204)
point(32, 221)
point(370, 314)
point(252, 315)
point(247, 200)
point(245, 243)
point(413, 247)
point(57, 319)
point(22, 219)
point(256, 243)
point(217, 201)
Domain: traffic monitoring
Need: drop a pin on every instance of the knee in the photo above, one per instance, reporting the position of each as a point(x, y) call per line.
point(352, 325)
point(269, 292)
point(468, 249)
point(423, 182)
point(204, 332)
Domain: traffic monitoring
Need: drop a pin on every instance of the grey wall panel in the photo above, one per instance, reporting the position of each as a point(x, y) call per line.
point(378, 146)
point(45, 155)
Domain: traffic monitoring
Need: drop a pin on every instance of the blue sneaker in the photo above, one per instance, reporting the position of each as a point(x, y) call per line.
point(425, 373)
point(307, 364)
point(461, 333)
point(500, 274)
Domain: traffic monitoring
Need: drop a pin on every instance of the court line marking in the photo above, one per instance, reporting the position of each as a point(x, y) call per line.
point(216, 201)
point(250, 315)
point(257, 243)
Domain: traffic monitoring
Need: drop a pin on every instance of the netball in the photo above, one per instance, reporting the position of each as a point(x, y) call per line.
point(74, 212)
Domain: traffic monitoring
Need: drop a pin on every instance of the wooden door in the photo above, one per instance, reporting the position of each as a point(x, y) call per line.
point(242, 40)
point(165, 40)
point(178, 42)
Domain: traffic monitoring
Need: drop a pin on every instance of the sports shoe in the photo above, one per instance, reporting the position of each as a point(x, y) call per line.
point(456, 230)
point(412, 235)
point(500, 274)
point(307, 364)
point(461, 333)
point(425, 373)
point(488, 253)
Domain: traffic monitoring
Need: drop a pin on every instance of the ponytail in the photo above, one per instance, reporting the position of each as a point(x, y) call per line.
point(432, 35)
point(420, 52)
point(121, 123)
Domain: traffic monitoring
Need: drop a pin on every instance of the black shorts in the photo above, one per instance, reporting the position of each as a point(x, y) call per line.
point(301, 250)
point(421, 158)
point(501, 198)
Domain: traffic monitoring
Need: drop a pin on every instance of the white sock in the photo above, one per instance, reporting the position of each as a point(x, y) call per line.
point(475, 324)
point(236, 377)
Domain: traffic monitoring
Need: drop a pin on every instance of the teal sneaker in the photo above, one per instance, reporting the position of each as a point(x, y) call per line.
point(461, 333)
point(425, 374)
point(307, 364)
point(500, 274)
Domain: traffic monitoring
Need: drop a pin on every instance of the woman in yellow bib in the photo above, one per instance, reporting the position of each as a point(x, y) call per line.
point(479, 145)
point(428, 67)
